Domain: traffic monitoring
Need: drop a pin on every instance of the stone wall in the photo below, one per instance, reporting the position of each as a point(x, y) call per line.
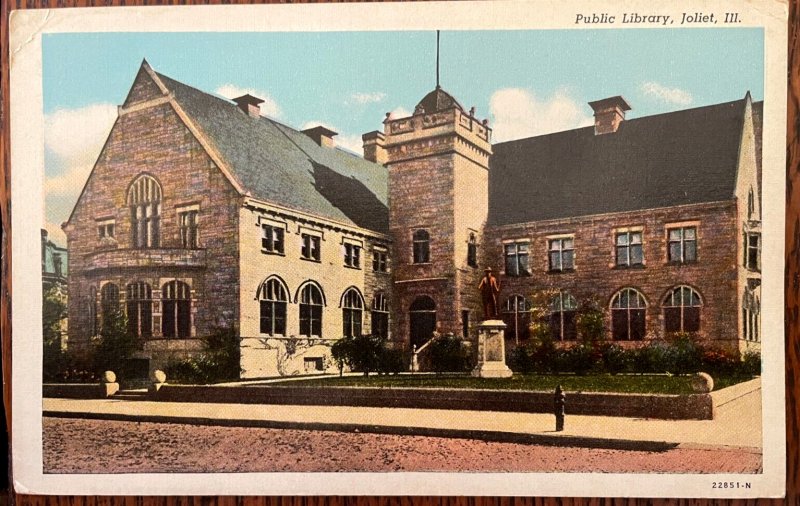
point(713, 275)
point(150, 138)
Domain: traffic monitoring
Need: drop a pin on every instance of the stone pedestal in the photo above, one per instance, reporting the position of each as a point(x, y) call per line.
point(491, 351)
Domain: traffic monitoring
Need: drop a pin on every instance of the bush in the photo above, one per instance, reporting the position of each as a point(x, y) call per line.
point(718, 362)
point(115, 345)
point(367, 354)
point(751, 363)
point(652, 358)
point(447, 354)
point(615, 358)
point(391, 361)
point(579, 359)
point(218, 362)
point(684, 356)
point(590, 323)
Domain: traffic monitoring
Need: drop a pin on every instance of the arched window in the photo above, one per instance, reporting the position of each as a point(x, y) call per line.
point(516, 316)
point(109, 304)
point(422, 247)
point(380, 316)
point(751, 314)
point(311, 311)
point(682, 310)
point(139, 302)
point(273, 298)
point(422, 319)
point(563, 308)
point(176, 320)
point(352, 313)
point(628, 310)
point(144, 201)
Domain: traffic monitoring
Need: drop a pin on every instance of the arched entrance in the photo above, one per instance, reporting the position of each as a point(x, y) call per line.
point(422, 317)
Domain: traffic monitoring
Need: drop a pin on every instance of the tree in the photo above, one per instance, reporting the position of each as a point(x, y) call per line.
point(590, 322)
point(53, 311)
point(116, 344)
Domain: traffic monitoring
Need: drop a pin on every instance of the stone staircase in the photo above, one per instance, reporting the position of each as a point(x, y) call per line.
point(131, 395)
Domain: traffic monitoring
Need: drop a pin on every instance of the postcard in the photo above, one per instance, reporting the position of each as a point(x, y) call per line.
point(485, 248)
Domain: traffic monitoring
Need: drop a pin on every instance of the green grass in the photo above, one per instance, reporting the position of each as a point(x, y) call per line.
point(570, 383)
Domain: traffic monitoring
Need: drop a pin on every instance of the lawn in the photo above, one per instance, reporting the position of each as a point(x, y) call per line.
point(659, 384)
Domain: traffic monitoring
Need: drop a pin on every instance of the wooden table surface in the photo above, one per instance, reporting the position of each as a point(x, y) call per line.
point(792, 283)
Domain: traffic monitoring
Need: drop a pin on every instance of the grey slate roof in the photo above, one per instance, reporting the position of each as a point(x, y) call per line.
point(280, 165)
point(670, 159)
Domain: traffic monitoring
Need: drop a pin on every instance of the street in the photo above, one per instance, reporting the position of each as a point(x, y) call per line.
point(74, 445)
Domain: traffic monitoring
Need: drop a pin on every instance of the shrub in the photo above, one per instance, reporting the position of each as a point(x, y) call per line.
point(653, 358)
point(115, 345)
point(447, 354)
point(391, 361)
point(751, 363)
point(219, 360)
point(684, 356)
point(367, 354)
point(615, 358)
point(718, 362)
point(579, 359)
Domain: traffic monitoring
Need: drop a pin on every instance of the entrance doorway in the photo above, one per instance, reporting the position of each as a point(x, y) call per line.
point(423, 320)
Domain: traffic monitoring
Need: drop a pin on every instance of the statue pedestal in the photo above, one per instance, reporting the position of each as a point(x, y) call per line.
point(491, 351)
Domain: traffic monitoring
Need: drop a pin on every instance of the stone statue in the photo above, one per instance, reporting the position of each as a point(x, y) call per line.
point(490, 289)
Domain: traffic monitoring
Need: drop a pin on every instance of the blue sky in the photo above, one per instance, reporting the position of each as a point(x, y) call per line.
point(525, 82)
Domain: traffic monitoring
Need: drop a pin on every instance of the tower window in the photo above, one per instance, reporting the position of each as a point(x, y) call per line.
point(421, 245)
point(472, 251)
point(752, 252)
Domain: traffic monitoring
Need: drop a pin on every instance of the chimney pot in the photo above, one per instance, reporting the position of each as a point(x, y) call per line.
point(609, 113)
point(249, 104)
point(322, 136)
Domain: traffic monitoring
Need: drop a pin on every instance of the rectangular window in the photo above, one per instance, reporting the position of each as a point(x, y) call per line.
point(753, 252)
point(188, 227)
point(352, 255)
point(272, 239)
point(517, 259)
point(562, 254)
point(310, 248)
point(682, 244)
point(380, 324)
point(629, 249)
point(105, 230)
point(472, 254)
point(312, 364)
point(379, 261)
point(465, 323)
point(310, 320)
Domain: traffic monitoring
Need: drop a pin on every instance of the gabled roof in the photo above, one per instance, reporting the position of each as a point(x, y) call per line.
point(278, 164)
point(671, 159)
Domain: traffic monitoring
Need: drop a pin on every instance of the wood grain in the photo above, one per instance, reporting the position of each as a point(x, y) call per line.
point(792, 287)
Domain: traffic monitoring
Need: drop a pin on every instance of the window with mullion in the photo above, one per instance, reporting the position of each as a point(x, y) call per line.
point(517, 259)
point(753, 252)
point(421, 247)
point(311, 311)
point(629, 249)
point(379, 261)
point(562, 254)
point(682, 244)
point(352, 255)
point(188, 229)
point(310, 247)
point(272, 239)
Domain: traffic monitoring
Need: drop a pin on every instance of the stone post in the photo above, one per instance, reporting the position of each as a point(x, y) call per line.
point(108, 384)
point(157, 380)
point(491, 351)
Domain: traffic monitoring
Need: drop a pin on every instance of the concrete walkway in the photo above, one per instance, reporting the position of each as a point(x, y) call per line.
point(737, 422)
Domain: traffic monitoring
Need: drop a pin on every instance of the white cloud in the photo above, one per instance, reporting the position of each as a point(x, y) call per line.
point(351, 143)
point(269, 108)
point(675, 96)
point(368, 97)
point(399, 112)
point(75, 137)
point(517, 113)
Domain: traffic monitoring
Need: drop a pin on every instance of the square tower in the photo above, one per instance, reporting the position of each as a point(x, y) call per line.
point(438, 161)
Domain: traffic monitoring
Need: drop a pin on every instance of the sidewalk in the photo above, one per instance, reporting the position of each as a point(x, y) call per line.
point(737, 423)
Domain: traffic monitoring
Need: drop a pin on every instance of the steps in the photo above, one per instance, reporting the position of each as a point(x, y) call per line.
point(131, 395)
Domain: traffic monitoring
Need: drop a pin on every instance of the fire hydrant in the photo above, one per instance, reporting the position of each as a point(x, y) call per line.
point(559, 402)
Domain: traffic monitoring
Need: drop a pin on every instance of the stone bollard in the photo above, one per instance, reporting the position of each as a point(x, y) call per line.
point(108, 384)
point(702, 383)
point(559, 401)
point(414, 359)
point(157, 379)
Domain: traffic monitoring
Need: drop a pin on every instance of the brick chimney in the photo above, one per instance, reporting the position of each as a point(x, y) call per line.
point(374, 150)
point(322, 136)
point(609, 113)
point(249, 104)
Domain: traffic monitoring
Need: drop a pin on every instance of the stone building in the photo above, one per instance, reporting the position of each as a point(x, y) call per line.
point(202, 214)
point(54, 278)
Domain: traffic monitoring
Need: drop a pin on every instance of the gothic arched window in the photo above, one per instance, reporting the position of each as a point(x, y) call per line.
point(352, 313)
point(311, 311)
point(109, 304)
point(144, 201)
point(272, 301)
